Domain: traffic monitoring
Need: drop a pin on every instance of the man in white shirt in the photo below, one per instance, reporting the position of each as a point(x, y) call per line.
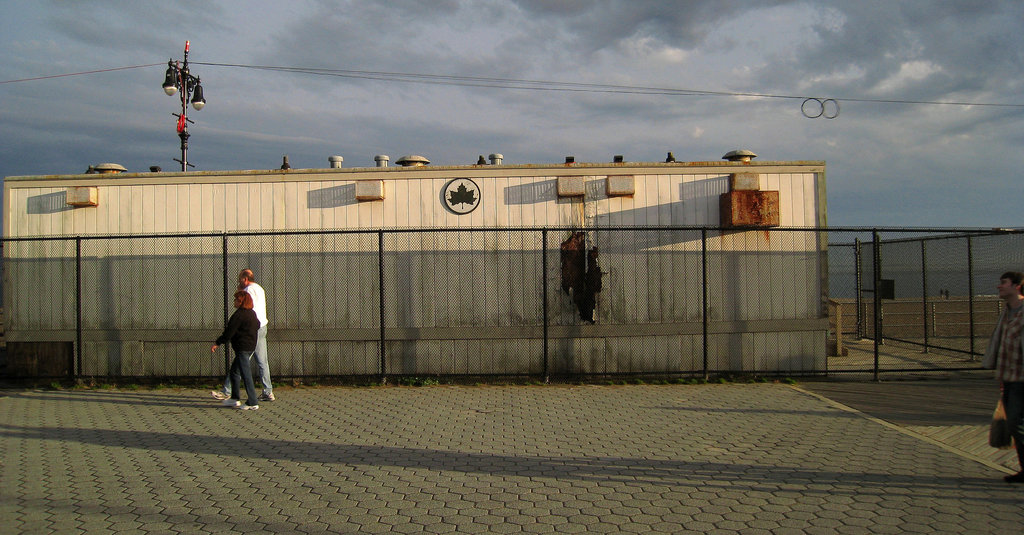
point(247, 282)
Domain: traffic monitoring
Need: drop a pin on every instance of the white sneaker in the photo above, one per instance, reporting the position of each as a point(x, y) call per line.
point(247, 407)
point(267, 396)
point(217, 394)
point(231, 403)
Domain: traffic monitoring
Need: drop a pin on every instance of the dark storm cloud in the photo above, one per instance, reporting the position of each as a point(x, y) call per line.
point(106, 27)
point(591, 26)
point(877, 40)
point(888, 163)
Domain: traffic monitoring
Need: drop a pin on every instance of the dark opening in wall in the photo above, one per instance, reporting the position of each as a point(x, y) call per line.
point(581, 275)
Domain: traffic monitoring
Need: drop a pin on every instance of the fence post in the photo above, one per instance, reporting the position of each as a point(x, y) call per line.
point(77, 356)
point(876, 269)
point(380, 297)
point(227, 298)
point(704, 296)
point(924, 292)
point(970, 290)
point(544, 299)
point(859, 276)
point(935, 320)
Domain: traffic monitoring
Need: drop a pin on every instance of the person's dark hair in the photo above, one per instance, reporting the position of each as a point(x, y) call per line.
point(248, 275)
point(1015, 277)
point(246, 299)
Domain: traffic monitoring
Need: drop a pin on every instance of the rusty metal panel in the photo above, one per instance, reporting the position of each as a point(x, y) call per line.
point(746, 208)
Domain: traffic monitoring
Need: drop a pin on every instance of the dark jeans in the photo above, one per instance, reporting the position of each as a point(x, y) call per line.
point(241, 370)
point(1013, 402)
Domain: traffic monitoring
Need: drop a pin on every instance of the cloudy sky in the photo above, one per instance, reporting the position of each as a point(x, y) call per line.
point(638, 78)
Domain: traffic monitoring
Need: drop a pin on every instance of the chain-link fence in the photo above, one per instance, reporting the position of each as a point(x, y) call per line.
point(511, 302)
point(916, 300)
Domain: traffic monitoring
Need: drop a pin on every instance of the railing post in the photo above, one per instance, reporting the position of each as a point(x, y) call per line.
point(76, 367)
point(380, 297)
point(704, 296)
point(544, 299)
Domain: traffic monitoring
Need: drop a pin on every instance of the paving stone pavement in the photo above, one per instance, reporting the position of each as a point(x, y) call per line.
point(736, 458)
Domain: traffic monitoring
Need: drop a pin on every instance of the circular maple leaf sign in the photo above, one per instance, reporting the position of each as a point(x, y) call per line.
point(461, 195)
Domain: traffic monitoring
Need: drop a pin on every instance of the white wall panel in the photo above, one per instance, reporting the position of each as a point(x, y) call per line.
point(660, 199)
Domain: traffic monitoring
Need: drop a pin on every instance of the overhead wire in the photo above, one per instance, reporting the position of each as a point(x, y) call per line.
point(79, 73)
point(548, 85)
point(528, 84)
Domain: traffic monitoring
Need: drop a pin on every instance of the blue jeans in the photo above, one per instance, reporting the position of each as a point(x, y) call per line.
point(241, 370)
point(263, 373)
point(1013, 402)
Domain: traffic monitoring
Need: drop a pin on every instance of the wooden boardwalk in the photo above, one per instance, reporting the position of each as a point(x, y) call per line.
point(950, 409)
point(902, 357)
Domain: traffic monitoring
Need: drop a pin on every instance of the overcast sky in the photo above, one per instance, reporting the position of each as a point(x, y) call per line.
point(888, 164)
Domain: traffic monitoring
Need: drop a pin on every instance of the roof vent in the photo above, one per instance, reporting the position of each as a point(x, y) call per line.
point(105, 169)
point(284, 164)
point(670, 158)
point(739, 155)
point(382, 160)
point(412, 160)
point(617, 158)
point(335, 161)
point(496, 158)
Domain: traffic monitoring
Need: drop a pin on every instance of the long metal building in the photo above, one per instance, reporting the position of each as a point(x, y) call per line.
point(413, 269)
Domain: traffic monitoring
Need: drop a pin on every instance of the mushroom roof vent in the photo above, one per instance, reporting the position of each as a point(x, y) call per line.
point(106, 168)
point(412, 160)
point(739, 155)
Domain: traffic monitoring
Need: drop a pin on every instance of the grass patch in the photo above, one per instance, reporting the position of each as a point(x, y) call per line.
point(418, 381)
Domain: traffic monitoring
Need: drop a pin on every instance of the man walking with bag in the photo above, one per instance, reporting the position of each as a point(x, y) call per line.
point(1005, 354)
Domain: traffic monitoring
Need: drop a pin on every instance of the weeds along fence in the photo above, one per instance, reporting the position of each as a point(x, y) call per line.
point(540, 303)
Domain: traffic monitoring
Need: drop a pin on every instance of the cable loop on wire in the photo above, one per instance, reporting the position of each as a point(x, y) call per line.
point(827, 108)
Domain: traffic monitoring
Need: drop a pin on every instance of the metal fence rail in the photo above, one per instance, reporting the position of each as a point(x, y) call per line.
point(501, 302)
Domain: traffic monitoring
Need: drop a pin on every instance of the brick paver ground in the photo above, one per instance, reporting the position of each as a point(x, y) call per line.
point(757, 458)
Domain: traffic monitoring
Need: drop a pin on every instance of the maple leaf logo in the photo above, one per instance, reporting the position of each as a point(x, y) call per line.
point(461, 195)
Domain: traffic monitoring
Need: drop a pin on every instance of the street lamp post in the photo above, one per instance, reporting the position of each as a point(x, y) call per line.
point(179, 79)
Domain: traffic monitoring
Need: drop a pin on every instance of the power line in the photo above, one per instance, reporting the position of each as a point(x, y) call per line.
point(78, 73)
point(527, 84)
point(546, 85)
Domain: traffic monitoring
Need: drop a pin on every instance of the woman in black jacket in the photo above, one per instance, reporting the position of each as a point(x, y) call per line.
point(241, 330)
